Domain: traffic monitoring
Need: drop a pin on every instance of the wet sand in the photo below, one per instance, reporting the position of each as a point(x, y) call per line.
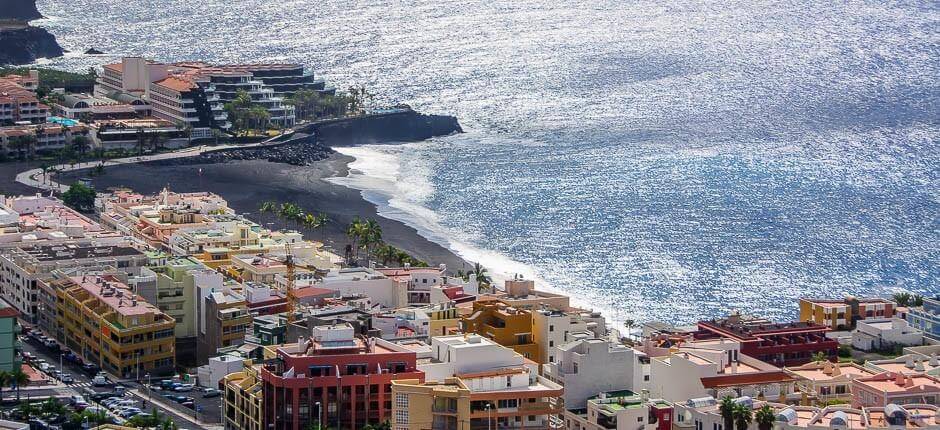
point(246, 184)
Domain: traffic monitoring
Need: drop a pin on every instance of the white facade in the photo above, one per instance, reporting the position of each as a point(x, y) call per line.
point(591, 366)
point(553, 328)
point(886, 332)
point(467, 354)
point(210, 374)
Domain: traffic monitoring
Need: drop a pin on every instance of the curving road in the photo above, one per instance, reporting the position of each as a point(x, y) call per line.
point(37, 179)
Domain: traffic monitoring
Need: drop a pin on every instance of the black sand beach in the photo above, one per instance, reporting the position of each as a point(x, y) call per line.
point(245, 184)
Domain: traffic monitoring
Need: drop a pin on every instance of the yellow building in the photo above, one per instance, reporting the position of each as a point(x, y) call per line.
point(843, 314)
point(505, 325)
point(430, 405)
point(243, 400)
point(105, 322)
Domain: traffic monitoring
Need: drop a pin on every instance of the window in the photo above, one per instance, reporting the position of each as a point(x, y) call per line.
point(401, 416)
point(401, 402)
point(551, 328)
point(551, 343)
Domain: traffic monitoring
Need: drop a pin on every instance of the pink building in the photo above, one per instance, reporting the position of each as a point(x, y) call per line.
point(890, 387)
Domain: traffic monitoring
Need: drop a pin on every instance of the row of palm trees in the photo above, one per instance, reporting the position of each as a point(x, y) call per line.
point(291, 212)
point(737, 416)
point(366, 235)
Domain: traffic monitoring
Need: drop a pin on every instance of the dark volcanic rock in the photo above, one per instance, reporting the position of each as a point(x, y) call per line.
point(407, 126)
point(93, 51)
point(23, 10)
point(25, 45)
point(299, 151)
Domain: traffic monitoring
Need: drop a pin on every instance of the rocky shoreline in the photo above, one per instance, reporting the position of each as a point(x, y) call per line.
point(314, 143)
point(21, 43)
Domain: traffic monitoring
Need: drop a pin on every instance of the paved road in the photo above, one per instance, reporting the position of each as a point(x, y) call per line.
point(37, 179)
point(183, 417)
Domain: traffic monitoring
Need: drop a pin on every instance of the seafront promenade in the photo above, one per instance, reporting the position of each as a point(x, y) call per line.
point(37, 178)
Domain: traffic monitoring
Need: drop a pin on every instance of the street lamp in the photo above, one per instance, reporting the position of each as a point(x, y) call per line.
point(489, 421)
point(318, 416)
point(149, 389)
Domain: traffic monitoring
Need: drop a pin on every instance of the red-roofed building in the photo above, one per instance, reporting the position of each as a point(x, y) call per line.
point(19, 102)
point(780, 344)
point(349, 376)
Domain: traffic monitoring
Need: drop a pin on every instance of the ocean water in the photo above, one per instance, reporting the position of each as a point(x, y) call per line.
point(667, 160)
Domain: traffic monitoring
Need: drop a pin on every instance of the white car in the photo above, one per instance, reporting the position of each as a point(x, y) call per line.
point(182, 388)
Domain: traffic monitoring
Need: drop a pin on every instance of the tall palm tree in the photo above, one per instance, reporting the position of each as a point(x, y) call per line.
point(726, 407)
point(354, 231)
point(19, 379)
point(483, 278)
point(372, 233)
point(742, 416)
point(765, 418)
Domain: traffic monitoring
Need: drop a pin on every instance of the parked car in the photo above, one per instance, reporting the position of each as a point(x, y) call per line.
point(75, 398)
point(129, 413)
point(120, 390)
point(211, 392)
point(190, 405)
point(66, 378)
point(183, 388)
point(100, 380)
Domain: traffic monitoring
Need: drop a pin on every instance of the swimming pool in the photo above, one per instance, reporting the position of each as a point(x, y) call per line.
point(63, 121)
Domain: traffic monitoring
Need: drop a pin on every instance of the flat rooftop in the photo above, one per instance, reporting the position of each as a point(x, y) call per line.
point(79, 252)
point(115, 294)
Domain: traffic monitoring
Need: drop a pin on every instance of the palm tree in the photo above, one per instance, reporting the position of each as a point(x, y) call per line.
point(727, 407)
point(4, 380)
point(354, 231)
point(402, 257)
point(765, 418)
point(483, 278)
point(902, 298)
point(742, 416)
point(386, 253)
point(18, 378)
point(372, 236)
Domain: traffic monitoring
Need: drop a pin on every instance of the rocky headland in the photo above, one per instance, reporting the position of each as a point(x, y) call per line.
point(21, 43)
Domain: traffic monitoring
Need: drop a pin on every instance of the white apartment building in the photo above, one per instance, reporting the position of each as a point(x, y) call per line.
point(552, 328)
point(590, 366)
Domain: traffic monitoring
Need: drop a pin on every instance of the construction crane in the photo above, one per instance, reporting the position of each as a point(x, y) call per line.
point(291, 283)
point(291, 298)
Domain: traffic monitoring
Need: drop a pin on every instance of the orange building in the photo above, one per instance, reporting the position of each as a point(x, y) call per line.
point(505, 325)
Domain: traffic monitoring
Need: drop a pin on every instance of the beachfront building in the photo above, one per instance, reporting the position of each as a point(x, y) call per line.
point(195, 93)
point(243, 400)
point(891, 387)
point(427, 285)
point(504, 388)
point(884, 334)
point(620, 410)
point(18, 102)
point(589, 366)
point(520, 293)
point(107, 324)
point(137, 134)
point(844, 314)
point(348, 376)
point(822, 382)
point(552, 328)
point(507, 326)
point(28, 139)
point(926, 318)
point(780, 344)
point(716, 368)
point(91, 108)
point(21, 268)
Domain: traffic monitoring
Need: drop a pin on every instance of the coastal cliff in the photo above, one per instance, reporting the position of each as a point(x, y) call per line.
point(21, 43)
point(24, 45)
point(403, 126)
point(20, 10)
